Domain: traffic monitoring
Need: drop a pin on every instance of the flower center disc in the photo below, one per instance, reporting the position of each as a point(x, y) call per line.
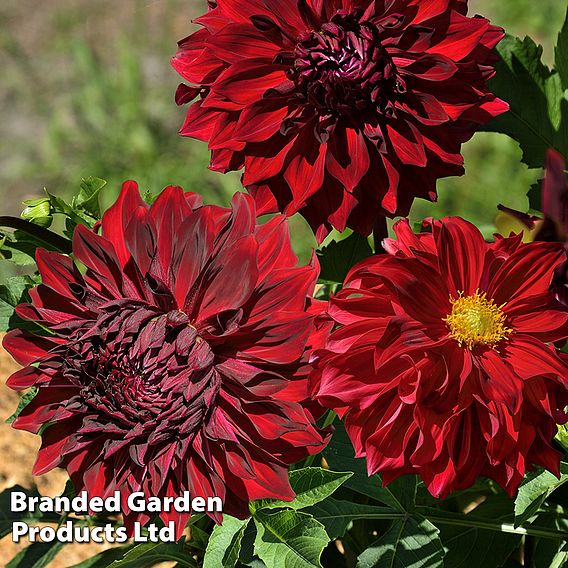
point(475, 320)
point(343, 68)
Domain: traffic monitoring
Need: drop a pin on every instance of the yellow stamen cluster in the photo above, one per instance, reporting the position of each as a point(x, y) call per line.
point(475, 320)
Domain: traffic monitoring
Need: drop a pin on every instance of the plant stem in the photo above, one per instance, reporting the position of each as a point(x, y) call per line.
point(380, 232)
point(49, 237)
point(329, 419)
point(466, 521)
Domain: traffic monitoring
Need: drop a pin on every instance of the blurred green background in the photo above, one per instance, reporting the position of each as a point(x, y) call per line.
point(87, 89)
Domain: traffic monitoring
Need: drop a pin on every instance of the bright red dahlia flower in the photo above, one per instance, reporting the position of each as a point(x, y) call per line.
point(340, 109)
point(177, 360)
point(443, 364)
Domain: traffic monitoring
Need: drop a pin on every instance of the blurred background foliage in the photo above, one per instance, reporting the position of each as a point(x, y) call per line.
point(87, 90)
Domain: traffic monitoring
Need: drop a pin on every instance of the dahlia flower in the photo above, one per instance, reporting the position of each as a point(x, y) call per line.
point(175, 354)
point(554, 226)
point(341, 110)
point(443, 365)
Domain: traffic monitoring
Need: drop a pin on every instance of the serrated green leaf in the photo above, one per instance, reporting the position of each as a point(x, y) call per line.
point(37, 555)
point(88, 197)
point(148, 554)
point(24, 401)
point(538, 116)
point(7, 517)
point(336, 516)
point(105, 558)
point(534, 490)
point(289, 539)
point(340, 455)
point(311, 485)
point(224, 544)
point(337, 258)
point(12, 293)
point(409, 543)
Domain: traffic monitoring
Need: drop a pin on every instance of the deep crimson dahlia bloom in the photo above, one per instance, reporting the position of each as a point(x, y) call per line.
point(340, 109)
point(442, 365)
point(178, 359)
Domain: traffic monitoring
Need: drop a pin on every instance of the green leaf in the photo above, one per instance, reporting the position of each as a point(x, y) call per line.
point(534, 491)
point(24, 401)
point(289, 539)
point(538, 116)
point(105, 558)
point(88, 197)
point(148, 554)
point(404, 490)
point(12, 293)
point(340, 455)
point(470, 546)
point(311, 485)
point(7, 517)
point(336, 516)
point(76, 213)
point(337, 258)
point(561, 54)
point(560, 559)
point(409, 543)
point(199, 538)
point(225, 543)
point(20, 247)
point(37, 555)
point(562, 435)
point(535, 196)
point(548, 553)
point(247, 556)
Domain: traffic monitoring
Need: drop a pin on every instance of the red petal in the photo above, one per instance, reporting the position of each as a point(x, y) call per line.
point(461, 249)
point(117, 217)
point(246, 81)
point(348, 157)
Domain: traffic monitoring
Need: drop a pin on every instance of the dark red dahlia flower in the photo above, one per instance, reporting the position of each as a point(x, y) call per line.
point(176, 358)
point(343, 110)
point(444, 365)
point(554, 226)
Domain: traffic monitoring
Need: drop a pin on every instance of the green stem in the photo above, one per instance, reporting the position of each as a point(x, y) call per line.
point(329, 419)
point(49, 237)
point(466, 521)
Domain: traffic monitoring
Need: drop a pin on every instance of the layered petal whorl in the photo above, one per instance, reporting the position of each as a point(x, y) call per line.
point(175, 356)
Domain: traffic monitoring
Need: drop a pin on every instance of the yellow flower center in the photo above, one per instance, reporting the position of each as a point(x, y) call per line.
point(475, 320)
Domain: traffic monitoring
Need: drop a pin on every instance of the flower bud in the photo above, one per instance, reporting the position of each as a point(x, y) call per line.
point(38, 211)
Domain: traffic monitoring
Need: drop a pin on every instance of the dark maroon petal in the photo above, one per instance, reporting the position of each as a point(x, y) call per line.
point(178, 360)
